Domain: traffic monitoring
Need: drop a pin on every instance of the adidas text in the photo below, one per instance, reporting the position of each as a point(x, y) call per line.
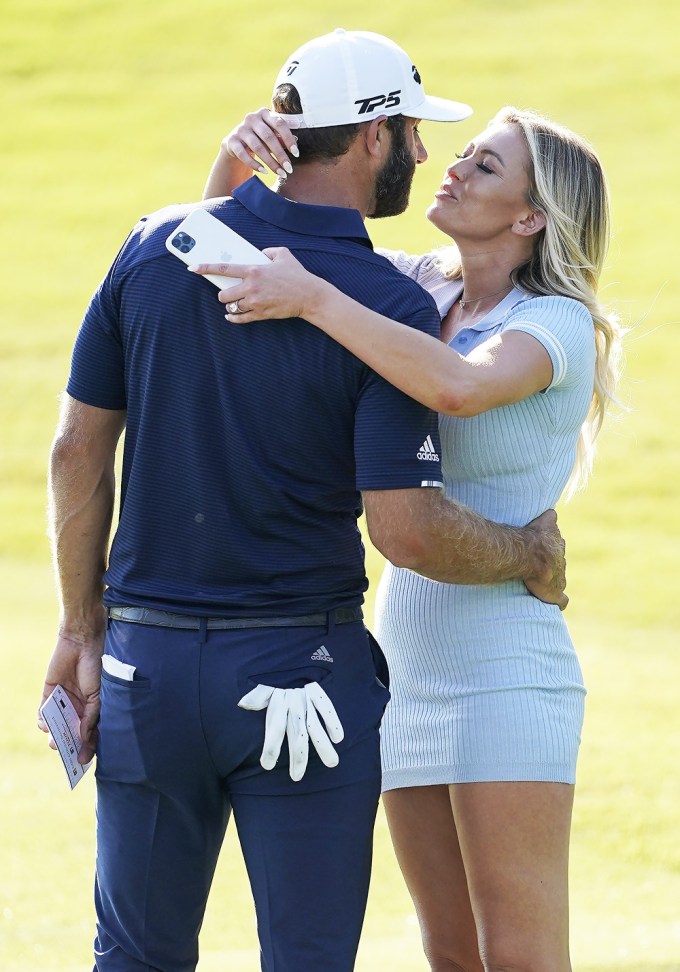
point(322, 654)
point(427, 451)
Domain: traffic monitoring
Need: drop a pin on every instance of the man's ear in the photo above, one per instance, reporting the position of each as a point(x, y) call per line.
point(533, 223)
point(376, 136)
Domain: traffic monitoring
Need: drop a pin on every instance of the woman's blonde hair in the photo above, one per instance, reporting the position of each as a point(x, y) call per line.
point(567, 185)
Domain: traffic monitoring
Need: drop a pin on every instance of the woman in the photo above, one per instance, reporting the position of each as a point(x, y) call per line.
point(481, 738)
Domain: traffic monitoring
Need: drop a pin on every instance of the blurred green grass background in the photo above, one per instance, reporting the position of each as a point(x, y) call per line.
point(112, 109)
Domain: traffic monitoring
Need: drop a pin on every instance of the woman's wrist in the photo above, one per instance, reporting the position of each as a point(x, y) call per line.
point(224, 156)
point(226, 174)
point(317, 302)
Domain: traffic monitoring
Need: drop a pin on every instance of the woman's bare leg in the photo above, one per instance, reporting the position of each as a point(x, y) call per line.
point(425, 840)
point(498, 851)
point(514, 841)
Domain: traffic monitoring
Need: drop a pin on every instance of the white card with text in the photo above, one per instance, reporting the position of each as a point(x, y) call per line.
point(64, 725)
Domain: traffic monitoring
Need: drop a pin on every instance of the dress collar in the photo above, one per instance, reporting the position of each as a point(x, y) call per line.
point(328, 221)
point(497, 313)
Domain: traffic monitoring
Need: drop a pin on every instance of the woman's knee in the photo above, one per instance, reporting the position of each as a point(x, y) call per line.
point(506, 954)
point(440, 964)
point(451, 953)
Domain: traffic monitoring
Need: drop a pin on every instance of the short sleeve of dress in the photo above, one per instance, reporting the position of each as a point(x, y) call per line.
point(565, 329)
point(410, 264)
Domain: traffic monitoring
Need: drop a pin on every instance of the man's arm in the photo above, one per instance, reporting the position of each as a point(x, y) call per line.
point(81, 495)
point(422, 530)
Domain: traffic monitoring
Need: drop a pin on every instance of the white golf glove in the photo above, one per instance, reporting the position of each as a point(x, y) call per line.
point(295, 713)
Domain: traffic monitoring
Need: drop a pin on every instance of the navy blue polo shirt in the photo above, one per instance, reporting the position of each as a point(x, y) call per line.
point(246, 447)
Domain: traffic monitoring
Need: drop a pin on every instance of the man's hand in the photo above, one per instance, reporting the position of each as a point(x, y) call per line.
point(548, 581)
point(76, 665)
point(295, 713)
point(82, 491)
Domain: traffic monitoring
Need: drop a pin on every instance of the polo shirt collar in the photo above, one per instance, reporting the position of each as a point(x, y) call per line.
point(497, 313)
point(301, 217)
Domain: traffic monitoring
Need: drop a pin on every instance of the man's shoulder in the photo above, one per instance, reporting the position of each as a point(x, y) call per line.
point(403, 296)
point(367, 275)
point(147, 238)
point(156, 223)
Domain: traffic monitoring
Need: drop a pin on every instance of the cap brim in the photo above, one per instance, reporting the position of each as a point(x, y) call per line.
point(438, 109)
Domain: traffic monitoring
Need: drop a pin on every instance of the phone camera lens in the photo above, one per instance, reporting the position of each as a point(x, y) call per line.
point(183, 242)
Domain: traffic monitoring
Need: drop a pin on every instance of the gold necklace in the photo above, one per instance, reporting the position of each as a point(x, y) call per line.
point(476, 300)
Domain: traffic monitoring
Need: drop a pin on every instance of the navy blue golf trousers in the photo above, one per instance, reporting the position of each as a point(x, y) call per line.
point(176, 755)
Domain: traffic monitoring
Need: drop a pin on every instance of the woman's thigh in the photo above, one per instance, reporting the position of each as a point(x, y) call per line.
point(514, 844)
point(426, 844)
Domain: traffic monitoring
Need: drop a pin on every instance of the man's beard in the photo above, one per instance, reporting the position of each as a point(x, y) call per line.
point(393, 185)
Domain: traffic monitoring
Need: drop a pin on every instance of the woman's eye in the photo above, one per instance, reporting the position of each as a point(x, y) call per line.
point(484, 168)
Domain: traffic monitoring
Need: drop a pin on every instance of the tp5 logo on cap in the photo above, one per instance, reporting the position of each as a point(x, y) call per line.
point(386, 101)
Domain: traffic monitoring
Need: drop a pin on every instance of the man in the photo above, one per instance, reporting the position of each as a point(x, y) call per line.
point(236, 575)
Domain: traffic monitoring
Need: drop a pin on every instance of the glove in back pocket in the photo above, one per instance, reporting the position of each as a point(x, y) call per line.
point(290, 678)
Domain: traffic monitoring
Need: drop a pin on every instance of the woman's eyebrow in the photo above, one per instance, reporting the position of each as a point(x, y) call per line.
point(488, 151)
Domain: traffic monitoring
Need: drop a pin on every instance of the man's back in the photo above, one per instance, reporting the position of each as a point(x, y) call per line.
point(246, 447)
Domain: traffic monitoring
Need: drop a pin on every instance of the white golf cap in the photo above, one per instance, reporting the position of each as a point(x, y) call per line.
point(353, 76)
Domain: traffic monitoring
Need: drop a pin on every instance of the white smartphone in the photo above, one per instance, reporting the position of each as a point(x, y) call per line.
point(202, 238)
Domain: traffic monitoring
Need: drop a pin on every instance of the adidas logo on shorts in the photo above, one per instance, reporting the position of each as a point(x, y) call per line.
point(321, 654)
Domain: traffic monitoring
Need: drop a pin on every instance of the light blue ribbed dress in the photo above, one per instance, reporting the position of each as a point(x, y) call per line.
point(485, 681)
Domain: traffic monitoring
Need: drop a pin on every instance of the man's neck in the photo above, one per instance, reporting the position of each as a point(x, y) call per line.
point(326, 185)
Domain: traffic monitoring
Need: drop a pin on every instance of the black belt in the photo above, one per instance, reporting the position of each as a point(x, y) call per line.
point(164, 619)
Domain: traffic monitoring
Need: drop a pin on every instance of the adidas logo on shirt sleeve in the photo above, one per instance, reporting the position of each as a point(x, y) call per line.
point(427, 451)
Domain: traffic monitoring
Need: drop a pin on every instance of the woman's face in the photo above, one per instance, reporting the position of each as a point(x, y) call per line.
point(484, 193)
